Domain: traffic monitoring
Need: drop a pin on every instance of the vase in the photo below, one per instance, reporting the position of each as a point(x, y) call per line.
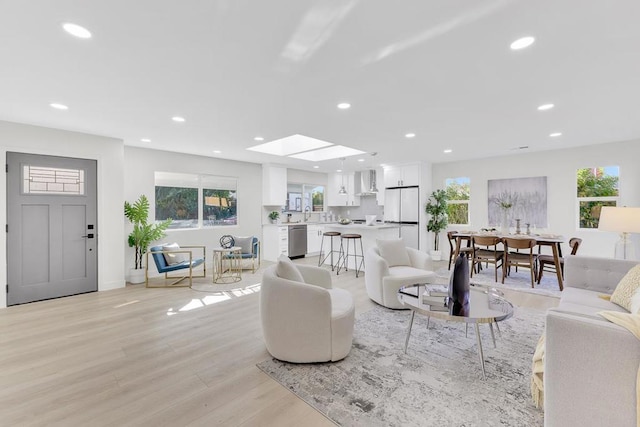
point(504, 223)
point(459, 287)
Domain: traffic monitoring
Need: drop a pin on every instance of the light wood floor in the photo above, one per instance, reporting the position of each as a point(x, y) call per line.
point(138, 356)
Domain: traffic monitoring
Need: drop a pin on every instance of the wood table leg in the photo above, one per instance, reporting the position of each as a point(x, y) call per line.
point(556, 260)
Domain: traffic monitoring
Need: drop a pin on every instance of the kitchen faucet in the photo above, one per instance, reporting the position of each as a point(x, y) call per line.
point(306, 211)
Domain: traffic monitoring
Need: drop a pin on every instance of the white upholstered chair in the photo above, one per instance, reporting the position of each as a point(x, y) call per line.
point(391, 265)
point(304, 319)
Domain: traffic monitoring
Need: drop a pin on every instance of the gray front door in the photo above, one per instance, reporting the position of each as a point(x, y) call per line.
point(51, 227)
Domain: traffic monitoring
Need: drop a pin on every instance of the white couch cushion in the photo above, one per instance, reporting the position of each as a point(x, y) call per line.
point(394, 252)
point(588, 298)
point(286, 269)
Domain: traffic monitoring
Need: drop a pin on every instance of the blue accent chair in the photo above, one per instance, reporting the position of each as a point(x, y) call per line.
point(158, 252)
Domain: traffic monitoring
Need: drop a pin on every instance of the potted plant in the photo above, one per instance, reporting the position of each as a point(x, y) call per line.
point(437, 209)
point(273, 216)
point(143, 233)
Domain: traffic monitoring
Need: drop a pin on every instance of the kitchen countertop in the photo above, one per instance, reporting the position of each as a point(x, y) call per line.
point(376, 226)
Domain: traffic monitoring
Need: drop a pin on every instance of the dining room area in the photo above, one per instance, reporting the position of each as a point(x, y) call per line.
point(515, 257)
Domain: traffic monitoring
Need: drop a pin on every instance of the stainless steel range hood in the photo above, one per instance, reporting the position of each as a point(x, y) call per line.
point(369, 182)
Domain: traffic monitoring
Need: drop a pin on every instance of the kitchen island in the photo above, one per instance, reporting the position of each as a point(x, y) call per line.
point(369, 234)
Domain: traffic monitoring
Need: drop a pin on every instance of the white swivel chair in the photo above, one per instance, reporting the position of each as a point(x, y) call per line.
point(391, 265)
point(304, 319)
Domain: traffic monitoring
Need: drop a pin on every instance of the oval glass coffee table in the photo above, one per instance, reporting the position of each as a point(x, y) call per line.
point(485, 306)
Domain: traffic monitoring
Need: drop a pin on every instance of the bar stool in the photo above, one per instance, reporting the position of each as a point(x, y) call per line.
point(344, 254)
point(321, 260)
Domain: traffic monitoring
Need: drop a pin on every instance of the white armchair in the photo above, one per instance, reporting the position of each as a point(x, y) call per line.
point(383, 281)
point(305, 321)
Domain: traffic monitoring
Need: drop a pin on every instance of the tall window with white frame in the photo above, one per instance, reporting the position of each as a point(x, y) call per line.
point(196, 200)
point(596, 187)
point(458, 192)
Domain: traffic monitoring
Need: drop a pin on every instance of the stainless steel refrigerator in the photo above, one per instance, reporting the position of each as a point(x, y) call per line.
point(402, 206)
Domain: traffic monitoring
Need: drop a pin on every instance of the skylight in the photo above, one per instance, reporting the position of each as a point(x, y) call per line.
point(290, 145)
point(333, 152)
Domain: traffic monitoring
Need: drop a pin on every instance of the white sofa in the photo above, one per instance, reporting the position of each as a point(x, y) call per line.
point(382, 282)
point(305, 322)
point(590, 363)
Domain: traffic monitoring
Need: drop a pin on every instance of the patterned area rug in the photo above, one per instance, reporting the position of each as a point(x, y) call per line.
point(437, 383)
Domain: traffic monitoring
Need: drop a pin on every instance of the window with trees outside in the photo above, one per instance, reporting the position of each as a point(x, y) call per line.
point(195, 201)
point(458, 191)
point(596, 187)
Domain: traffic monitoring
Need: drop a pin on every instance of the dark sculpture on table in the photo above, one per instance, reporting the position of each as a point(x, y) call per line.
point(459, 288)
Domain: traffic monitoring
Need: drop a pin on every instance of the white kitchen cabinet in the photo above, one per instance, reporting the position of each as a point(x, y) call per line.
point(402, 176)
point(274, 185)
point(333, 186)
point(275, 242)
point(314, 238)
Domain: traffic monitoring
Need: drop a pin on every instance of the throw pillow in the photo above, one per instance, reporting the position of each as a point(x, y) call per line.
point(394, 252)
point(626, 288)
point(286, 269)
point(172, 258)
point(635, 302)
point(244, 243)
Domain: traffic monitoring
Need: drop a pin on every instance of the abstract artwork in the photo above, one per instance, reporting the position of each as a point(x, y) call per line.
point(518, 198)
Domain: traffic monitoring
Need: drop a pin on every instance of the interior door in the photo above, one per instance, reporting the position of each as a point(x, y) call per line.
point(51, 227)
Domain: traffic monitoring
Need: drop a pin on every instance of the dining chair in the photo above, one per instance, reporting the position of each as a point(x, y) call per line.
point(453, 246)
point(519, 259)
point(485, 249)
point(546, 263)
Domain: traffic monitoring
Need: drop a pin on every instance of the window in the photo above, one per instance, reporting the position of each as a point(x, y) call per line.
point(47, 180)
point(305, 197)
point(194, 201)
point(458, 192)
point(596, 187)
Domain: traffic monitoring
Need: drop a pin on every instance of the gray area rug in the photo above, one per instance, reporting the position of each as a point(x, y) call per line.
point(437, 383)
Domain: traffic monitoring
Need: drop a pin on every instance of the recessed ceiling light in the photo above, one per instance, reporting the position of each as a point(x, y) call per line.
point(522, 43)
point(338, 170)
point(448, 150)
point(344, 106)
point(258, 138)
point(178, 119)
point(76, 30)
point(553, 135)
point(217, 151)
point(145, 140)
point(410, 135)
point(58, 106)
point(361, 160)
point(545, 107)
point(316, 167)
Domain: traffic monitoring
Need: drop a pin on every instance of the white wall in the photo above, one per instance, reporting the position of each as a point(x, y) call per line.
point(559, 167)
point(139, 167)
point(108, 153)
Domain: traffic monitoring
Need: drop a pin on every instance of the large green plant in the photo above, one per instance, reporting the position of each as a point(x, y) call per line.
point(437, 209)
point(143, 233)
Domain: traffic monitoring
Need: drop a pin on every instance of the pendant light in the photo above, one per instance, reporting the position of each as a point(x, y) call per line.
point(343, 191)
point(373, 176)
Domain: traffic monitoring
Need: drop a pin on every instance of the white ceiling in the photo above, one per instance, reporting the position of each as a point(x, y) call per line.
point(237, 69)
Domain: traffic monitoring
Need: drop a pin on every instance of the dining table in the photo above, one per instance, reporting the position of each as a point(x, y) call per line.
point(552, 240)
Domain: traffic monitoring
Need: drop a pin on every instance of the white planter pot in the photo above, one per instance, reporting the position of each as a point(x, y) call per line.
point(136, 276)
point(436, 255)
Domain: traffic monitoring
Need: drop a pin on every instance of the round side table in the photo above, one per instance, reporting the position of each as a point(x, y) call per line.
point(227, 264)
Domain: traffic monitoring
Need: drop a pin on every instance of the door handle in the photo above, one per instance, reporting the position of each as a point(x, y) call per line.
point(88, 236)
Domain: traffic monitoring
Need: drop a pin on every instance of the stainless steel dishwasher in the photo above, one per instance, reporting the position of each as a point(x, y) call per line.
point(297, 240)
